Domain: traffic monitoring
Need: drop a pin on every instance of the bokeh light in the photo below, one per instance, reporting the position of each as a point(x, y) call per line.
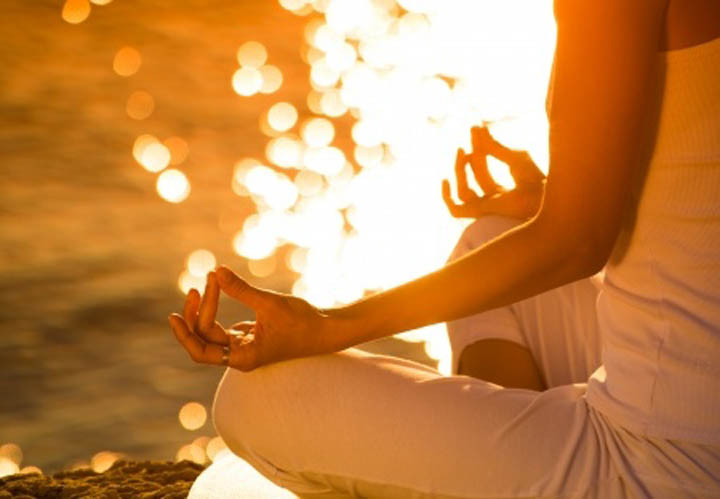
point(200, 262)
point(247, 81)
point(317, 132)
point(103, 461)
point(191, 452)
point(272, 79)
point(7, 467)
point(75, 11)
point(188, 281)
point(252, 54)
point(100, 2)
point(140, 105)
point(152, 155)
point(263, 267)
point(192, 416)
point(173, 186)
point(127, 61)
point(282, 116)
point(12, 452)
point(214, 446)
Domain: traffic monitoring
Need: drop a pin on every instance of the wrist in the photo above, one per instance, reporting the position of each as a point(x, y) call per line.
point(344, 327)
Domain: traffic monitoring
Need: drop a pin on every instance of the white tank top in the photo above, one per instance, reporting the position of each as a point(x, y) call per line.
point(659, 306)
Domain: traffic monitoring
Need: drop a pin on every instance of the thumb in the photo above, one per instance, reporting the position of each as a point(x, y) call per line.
point(239, 289)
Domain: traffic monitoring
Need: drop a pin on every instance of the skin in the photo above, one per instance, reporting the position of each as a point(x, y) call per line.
point(573, 216)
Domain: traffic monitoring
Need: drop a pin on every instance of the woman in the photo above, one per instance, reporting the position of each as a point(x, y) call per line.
point(633, 189)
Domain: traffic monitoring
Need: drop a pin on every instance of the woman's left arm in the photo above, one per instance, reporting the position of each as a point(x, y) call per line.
point(605, 69)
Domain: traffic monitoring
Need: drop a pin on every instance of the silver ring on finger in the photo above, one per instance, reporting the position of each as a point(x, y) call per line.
point(225, 355)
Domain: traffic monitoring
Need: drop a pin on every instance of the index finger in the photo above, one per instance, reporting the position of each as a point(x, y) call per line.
point(464, 191)
point(237, 288)
point(209, 303)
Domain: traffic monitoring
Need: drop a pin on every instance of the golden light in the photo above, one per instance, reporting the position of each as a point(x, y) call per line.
point(173, 186)
point(215, 445)
point(324, 160)
point(201, 442)
point(247, 81)
point(331, 104)
point(293, 5)
point(252, 54)
point(263, 267)
point(13, 452)
point(140, 105)
point(188, 281)
point(192, 416)
point(8, 467)
point(341, 57)
point(366, 134)
point(272, 79)
point(314, 101)
point(240, 171)
point(323, 75)
point(285, 151)
point(101, 2)
point(140, 144)
point(308, 183)
point(76, 11)
point(191, 452)
point(154, 157)
point(317, 132)
point(200, 262)
point(103, 461)
point(254, 243)
point(368, 157)
point(127, 61)
point(178, 148)
point(30, 469)
point(282, 116)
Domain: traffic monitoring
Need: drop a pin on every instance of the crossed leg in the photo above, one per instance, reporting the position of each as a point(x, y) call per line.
point(548, 340)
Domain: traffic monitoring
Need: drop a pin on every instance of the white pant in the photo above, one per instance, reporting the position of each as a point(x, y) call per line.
point(367, 425)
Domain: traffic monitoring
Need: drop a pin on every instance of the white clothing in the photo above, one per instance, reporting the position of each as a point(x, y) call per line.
point(362, 425)
point(659, 307)
point(374, 426)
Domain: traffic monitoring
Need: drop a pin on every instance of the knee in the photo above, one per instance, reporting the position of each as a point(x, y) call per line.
point(481, 231)
point(223, 404)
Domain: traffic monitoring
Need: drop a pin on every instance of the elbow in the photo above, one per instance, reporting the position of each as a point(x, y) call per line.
point(581, 252)
point(592, 259)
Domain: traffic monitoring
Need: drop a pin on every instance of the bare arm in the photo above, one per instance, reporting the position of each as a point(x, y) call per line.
point(605, 67)
point(604, 70)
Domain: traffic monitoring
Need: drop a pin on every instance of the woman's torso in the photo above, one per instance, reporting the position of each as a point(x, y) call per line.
point(659, 308)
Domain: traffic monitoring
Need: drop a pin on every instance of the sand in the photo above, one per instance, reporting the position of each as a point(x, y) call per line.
point(141, 479)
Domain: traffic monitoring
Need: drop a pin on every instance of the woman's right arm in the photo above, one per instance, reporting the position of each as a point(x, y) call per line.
point(604, 69)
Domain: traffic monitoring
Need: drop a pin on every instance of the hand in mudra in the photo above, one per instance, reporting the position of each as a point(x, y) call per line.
point(285, 326)
point(521, 202)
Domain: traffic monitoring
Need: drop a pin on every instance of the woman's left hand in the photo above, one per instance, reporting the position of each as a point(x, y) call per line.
point(521, 202)
point(285, 326)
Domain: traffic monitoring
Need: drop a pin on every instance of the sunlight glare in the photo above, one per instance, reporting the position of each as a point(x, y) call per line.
point(252, 54)
point(247, 81)
point(127, 61)
point(173, 186)
point(76, 11)
point(192, 416)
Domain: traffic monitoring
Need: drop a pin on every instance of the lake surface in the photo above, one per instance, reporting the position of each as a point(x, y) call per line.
point(89, 254)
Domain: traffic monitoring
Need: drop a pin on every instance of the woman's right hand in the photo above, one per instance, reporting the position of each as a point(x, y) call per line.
point(285, 327)
point(522, 202)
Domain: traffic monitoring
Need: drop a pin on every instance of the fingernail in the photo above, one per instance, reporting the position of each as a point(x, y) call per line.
point(223, 273)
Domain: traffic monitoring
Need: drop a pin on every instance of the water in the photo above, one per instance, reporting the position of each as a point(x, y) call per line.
point(89, 254)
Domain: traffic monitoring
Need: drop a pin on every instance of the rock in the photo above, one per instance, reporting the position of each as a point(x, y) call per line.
point(125, 479)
